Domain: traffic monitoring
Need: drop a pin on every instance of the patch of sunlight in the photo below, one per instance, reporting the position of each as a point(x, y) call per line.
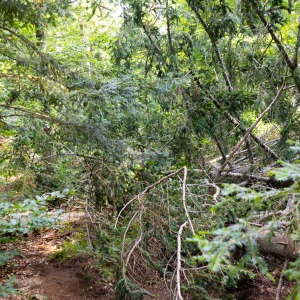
point(249, 116)
point(267, 131)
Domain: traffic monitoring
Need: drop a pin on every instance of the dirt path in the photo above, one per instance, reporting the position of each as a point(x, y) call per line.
point(61, 281)
point(39, 277)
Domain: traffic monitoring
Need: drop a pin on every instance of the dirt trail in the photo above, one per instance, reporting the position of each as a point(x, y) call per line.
point(66, 281)
point(40, 278)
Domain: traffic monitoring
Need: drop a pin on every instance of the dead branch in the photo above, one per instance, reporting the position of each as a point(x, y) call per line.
point(277, 213)
point(248, 176)
point(280, 284)
point(233, 120)
point(250, 152)
point(179, 296)
point(220, 148)
point(165, 270)
point(290, 208)
point(249, 130)
point(132, 249)
point(87, 215)
point(256, 224)
point(184, 200)
point(217, 190)
point(149, 188)
point(123, 241)
point(238, 123)
point(236, 162)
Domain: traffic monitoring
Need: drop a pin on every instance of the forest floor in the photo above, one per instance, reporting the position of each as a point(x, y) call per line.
point(263, 288)
point(41, 274)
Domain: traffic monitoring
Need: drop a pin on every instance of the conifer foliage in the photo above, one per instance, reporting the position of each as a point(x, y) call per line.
point(173, 119)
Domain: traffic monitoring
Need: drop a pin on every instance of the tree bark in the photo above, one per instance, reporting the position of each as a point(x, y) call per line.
point(280, 245)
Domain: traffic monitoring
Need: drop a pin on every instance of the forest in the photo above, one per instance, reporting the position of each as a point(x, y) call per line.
point(149, 149)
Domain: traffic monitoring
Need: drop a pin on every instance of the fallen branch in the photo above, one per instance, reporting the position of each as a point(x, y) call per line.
point(88, 216)
point(132, 249)
point(217, 190)
point(165, 270)
point(236, 162)
point(149, 188)
point(237, 123)
point(290, 208)
point(277, 213)
point(123, 242)
point(280, 284)
point(248, 176)
point(179, 296)
point(184, 200)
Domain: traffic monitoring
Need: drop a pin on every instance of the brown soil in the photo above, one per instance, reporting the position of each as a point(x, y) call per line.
point(262, 288)
point(39, 277)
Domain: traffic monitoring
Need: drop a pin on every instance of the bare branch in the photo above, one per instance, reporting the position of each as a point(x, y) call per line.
point(184, 199)
point(179, 296)
point(136, 243)
point(217, 190)
point(238, 123)
point(280, 284)
point(150, 187)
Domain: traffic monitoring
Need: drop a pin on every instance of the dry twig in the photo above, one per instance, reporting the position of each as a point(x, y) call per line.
point(87, 215)
point(150, 187)
point(137, 241)
point(184, 200)
point(280, 284)
point(217, 189)
point(179, 296)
